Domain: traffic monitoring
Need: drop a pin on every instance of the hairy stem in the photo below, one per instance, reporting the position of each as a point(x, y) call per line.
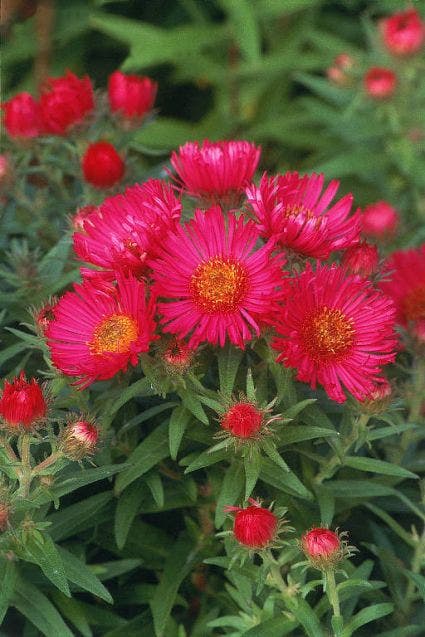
point(332, 593)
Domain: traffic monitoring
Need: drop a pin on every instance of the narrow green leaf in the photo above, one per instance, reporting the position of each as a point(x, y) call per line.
point(377, 466)
point(128, 505)
point(192, 403)
point(418, 580)
point(206, 459)
point(231, 490)
point(327, 506)
point(35, 606)
point(179, 420)
point(179, 563)
point(294, 410)
point(365, 616)
point(110, 570)
point(47, 557)
point(252, 466)
point(154, 482)
point(73, 612)
point(82, 576)
point(146, 455)
point(141, 387)
point(229, 358)
point(244, 26)
point(69, 520)
point(307, 618)
point(275, 627)
point(86, 476)
point(284, 481)
point(273, 454)
point(7, 585)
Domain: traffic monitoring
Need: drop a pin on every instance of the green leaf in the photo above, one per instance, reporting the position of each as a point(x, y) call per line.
point(327, 506)
point(282, 480)
point(179, 420)
point(82, 576)
point(377, 466)
point(11, 351)
point(76, 517)
point(194, 405)
point(52, 264)
point(154, 483)
point(307, 618)
point(85, 477)
point(179, 563)
point(206, 459)
point(245, 27)
point(141, 387)
point(275, 627)
point(294, 410)
point(110, 570)
point(73, 612)
point(128, 505)
point(146, 455)
point(229, 358)
point(46, 555)
point(35, 606)
point(365, 616)
point(418, 580)
point(7, 585)
point(252, 464)
point(273, 454)
point(231, 490)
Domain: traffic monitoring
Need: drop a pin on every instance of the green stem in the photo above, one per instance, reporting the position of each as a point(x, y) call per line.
point(417, 397)
point(332, 593)
point(332, 465)
point(26, 471)
point(47, 462)
point(416, 566)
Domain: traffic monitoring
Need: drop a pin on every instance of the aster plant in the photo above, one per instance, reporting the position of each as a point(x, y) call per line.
point(214, 379)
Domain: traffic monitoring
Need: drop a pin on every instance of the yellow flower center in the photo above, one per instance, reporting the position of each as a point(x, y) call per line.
point(114, 335)
point(219, 285)
point(414, 304)
point(327, 335)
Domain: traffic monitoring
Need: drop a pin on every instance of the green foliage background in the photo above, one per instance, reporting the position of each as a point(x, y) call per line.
point(226, 68)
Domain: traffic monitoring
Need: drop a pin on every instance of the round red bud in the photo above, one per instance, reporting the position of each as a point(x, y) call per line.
point(380, 83)
point(102, 166)
point(22, 403)
point(403, 33)
point(242, 420)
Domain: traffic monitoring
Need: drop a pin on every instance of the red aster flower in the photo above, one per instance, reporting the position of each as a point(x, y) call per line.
point(254, 526)
point(336, 330)
point(379, 220)
point(65, 101)
point(293, 210)
point(406, 285)
point(216, 283)
point(131, 96)
point(22, 116)
point(216, 172)
point(102, 166)
point(380, 83)
point(322, 547)
point(361, 259)
point(128, 227)
point(22, 403)
point(79, 439)
point(403, 33)
point(242, 420)
point(97, 332)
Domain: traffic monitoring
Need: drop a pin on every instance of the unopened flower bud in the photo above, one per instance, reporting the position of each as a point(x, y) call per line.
point(44, 316)
point(379, 220)
point(378, 400)
point(361, 259)
point(79, 439)
point(80, 216)
point(242, 420)
point(177, 356)
point(254, 526)
point(380, 83)
point(403, 33)
point(337, 73)
point(22, 404)
point(131, 96)
point(102, 165)
point(322, 547)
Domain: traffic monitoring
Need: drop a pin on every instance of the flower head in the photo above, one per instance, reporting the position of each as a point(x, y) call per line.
point(378, 399)
point(294, 211)
point(79, 439)
point(403, 33)
point(131, 96)
point(379, 220)
point(22, 403)
point(255, 527)
point(102, 165)
point(97, 332)
point(336, 330)
point(65, 101)
point(176, 356)
point(21, 117)
point(44, 315)
point(361, 259)
point(216, 172)
point(127, 228)
point(323, 548)
point(242, 420)
point(215, 283)
point(380, 83)
point(405, 284)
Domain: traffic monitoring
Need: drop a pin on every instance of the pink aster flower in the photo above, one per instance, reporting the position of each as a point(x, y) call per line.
point(294, 211)
point(406, 285)
point(216, 284)
point(216, 172)
point(128, 227)
point(336, 330)
point(403, 33)
point(96, 332)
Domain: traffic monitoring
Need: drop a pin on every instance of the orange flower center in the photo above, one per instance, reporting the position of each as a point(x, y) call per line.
point(295, 211)
point(327, 335)
point(414, 304)
point(219, 285)
point(114, 335)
